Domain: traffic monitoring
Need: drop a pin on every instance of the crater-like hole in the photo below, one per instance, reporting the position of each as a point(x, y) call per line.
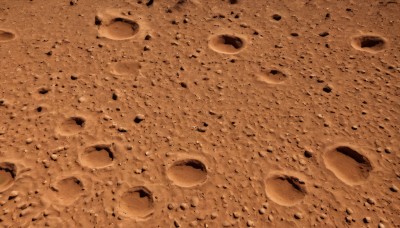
point(348, 165)
point(188, 173)
point(227, 44)
point(8, 173)
point(371, 41)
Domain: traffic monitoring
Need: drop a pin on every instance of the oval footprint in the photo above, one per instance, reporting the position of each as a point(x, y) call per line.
point(285, 190)
point(8, 172)
point(69, 189)
point(137, 202)
point(272, 76)
point(97, 156)
point(118, 28)
point(72, 125)
point(348, 165)
point(226, 44)
point(369, 43)
point(188, 173)
point(6, 35)
point(125, 68)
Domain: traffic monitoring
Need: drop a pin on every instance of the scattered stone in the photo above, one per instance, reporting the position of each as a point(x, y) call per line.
point(236, 214)
point(250, 223)
point(171, 206)
point(261, 211)
point(298, 215)
point(308, 154)
point(367, 220)
point(28, 140)
point(184, 206)
point(381, 225)
point(139, 118)
point(394, 188)
point(194, 202)
point(270, 218)
point(214, 215)
point(349, 211)
point(54, 157)
point(371, 201)
point(176, 223)
point(327, 89)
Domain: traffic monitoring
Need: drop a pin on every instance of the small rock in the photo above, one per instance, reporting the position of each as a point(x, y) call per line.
point(184, 206)
point(28, 140)
point(236, 214)
point(367, 220)
point(176, 223)
point(261, 211)
point(371, 201)
point(250, 223)
point(139, 118)
point(349, 211)
point(171, 206)
point(270, 218)
point(327, 89)
point(14, 194)
point(194, 202)
point(214, 215)
point(381, 225)
point(298, 215)
point(394, 188)
point(308, 154)
point(54, 157)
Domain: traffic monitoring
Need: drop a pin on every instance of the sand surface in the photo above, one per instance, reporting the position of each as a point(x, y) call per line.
point(199, 113)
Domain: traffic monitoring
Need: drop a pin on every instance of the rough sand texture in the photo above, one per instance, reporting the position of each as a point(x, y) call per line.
point(199, 113)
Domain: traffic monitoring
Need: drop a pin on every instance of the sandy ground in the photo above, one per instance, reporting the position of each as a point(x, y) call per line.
point(199, 113)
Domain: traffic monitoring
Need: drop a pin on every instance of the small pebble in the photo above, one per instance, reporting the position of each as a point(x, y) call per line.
point(250, 223)
point(381, 225)
point(298, 215)
point(270, 218)
point(349, 211)
point(194, 202)
point(14, 193)
point(184, 206)
point(394, 188)
point(214, 215)
point(139, 118)
point(171, 206)
point(54, 157)
point(236, 214)
point(261, 211)
point(371, 201)
point(367, 220)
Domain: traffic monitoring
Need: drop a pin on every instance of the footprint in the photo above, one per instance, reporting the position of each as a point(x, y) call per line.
point(116, 28)
point(97, 156)
point(188, 173)
point(272, 76)
point(137, 202)
point(8, 172)
point(285, 190)
point(6, 36)
point(348, 165)
point(369, 43)
point(69, 189)
point(72, 125)
point(226, 44)
point(125, 68)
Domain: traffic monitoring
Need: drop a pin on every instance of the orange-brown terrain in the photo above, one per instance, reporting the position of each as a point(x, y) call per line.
point(199, 113)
